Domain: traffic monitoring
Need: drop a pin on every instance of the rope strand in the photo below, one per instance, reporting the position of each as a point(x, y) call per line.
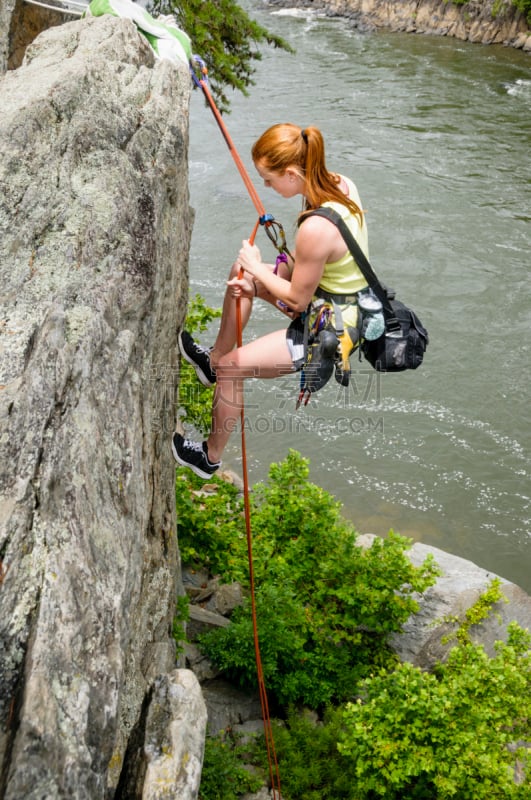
point(274, 773)
point(267, 220)
point(253, 194)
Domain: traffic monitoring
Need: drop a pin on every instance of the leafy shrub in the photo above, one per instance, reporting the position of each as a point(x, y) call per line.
point(418, 736)
point(310, 765)
point(447, 734)
point(211, 526)
point(324, 605)
point(223, 777)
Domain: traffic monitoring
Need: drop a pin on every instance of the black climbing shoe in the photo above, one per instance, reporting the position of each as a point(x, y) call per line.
point(198, 357)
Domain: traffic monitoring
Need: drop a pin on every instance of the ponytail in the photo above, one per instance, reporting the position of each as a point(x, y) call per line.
point(322, 185)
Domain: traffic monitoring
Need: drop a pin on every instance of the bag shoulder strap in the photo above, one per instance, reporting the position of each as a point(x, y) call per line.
point(360, 258)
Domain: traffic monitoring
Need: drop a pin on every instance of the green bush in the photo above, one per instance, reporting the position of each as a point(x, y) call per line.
point(445, 735)
point(310, 765)
point(211, 526)
point(412, 735)
point(223, 777)
point(324, 605)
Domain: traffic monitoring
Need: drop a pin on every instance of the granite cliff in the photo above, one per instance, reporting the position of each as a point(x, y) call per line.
point(95, 229)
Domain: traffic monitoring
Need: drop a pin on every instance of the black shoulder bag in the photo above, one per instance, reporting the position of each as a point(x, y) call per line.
point(404, 341)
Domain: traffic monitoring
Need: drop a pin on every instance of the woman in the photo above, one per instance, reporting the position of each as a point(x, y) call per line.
point(291, 161)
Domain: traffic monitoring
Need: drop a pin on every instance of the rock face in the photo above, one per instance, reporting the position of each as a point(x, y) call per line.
point(95, 227)
point(487, 22)
point(20, 23)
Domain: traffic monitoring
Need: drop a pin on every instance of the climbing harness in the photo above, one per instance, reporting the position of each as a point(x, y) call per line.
point(276, 234)
point(321, 343)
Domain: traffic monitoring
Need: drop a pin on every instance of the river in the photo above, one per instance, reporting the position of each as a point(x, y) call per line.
point(436, 134)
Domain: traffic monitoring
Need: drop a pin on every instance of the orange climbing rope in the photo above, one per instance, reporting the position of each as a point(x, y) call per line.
point(273, 228)
point(276, 234)
point(274, 774)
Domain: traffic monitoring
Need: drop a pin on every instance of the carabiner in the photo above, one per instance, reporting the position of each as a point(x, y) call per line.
point(203, 67)
point(276, 234)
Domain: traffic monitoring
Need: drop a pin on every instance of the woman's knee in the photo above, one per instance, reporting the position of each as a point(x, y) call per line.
point(234, 271)
point(228, 367)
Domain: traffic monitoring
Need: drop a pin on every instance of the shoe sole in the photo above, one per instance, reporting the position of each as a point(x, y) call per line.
point(199, 472)
point(198, 371)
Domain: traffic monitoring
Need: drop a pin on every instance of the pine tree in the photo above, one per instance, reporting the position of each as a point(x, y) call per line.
point(226, 38)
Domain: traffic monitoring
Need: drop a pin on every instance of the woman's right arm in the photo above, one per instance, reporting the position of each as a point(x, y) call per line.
point(312, 248)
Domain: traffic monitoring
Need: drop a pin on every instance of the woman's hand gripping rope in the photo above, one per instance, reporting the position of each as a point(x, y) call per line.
point(243, 287)
point(254, 275)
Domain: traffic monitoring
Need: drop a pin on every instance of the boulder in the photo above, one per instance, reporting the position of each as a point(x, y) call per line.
point(95, 228)
point(459, 586)
point(175, 734)
point(201, 620)
point(228, 707)
point(225, 599)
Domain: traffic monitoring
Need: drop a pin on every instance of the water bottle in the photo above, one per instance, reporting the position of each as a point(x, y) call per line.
point(371, 312)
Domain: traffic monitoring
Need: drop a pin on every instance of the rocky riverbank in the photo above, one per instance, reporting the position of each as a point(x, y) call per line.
point(421, 642)
point(481, 21)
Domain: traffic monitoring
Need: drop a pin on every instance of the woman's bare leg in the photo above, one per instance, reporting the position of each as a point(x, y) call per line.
point(226, 339)
point(227, 335)
point(266, 357)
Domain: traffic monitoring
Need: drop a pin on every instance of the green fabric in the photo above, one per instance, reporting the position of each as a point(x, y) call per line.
point(166, 39)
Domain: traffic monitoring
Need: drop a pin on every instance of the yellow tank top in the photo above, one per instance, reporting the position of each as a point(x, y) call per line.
point(344, 276)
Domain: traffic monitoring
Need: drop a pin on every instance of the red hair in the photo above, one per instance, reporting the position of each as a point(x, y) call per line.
point(286, 145)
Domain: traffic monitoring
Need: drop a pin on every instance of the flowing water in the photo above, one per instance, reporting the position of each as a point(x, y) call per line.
point(436, 133)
